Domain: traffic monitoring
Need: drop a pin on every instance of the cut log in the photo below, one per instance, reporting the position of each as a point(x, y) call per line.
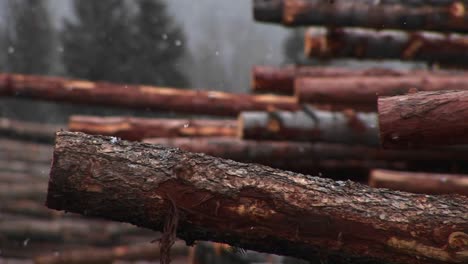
point(424, 119)
point(136, 129)
point(138, 96)
point(146, 251)
point(365, 90)
point(280, 80)
point(388, 44)
point(311, 124)
point(446, 15)
point(252, 206)
point(30, 131)
point(428, 183)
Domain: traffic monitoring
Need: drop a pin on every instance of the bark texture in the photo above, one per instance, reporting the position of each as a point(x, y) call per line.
point(446, 15)
point(280, 80)
point(424, 119)
point(252, 206)
point(311, 124)
point(137, 129)
point(366, 90)
point(22, 130)
point(444, 49)
point(428, 183)
point(138, 96)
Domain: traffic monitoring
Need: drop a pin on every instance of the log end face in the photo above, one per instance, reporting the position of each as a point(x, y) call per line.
point(315, 44)
point(268, 10)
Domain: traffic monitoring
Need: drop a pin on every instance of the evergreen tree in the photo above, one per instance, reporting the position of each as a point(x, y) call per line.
point(97, 43)
point(30, 37)
point(160, 46)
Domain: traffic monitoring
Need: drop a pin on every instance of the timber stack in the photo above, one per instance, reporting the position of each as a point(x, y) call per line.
point(387, 148)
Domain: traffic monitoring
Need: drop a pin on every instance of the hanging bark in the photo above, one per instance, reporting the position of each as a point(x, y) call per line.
point(447, 15)
point(136, 129)
point(28, 130)
point(311, 124)
point(388, 44)
point(281, 79)
point(138, 96)
point(365, 90)
point(145, 251)
point(253, 207)
point(428, 183)
point(424, 119)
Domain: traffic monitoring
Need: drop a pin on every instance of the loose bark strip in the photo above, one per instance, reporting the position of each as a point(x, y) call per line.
point(446, 15)
point(388, 44)
point(366, 90)
point(138, 96)
point(271, 79)
point(137, 129)
point(346, 127)
point(424, 119)
point(145, 251)
point(427, 183)
point(28, 130)
point(252, 206)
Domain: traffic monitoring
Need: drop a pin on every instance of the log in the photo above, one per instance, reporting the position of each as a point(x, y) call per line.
point(138, 96)
point(428, 183)
point(36, 132)
point(144, 251)
point(424, 119)
point(253, 206)
point(137, 129)
point(445, 15)
point(269, 79)
point(366, 90)
point(449, 50)
point(346, 127)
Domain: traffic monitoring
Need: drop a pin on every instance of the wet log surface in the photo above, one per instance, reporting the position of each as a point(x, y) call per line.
point(252, 206)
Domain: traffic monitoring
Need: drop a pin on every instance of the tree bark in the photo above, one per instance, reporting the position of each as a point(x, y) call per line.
point(424, 119)
point(137, 129)
point(253, 206)
point(366, 90)
point(447, 15)
point(146, 251)
point(280, 80)
point(428, 183)
point(346, 127)
point(138, 96)
point(36, 132)
point(369, 44)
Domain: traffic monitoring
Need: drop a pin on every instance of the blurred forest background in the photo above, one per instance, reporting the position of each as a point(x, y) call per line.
point(209, 44)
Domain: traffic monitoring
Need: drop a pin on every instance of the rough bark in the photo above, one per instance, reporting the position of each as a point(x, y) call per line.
point(424, 119)
point(444, 15)
point(366, 90)
point(146, 251)
point(252, 206)
point(138, 96)
point(281, 79)
point(369, 44)
point(28, 130)
point(428, 183)
point(346, 127)
point(137, 129)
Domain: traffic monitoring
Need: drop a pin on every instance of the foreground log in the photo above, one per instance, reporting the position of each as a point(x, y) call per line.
point(366, 90)
point(369, 44)
point(28, 130)
point(138, 96)
point(253, 206)
point(424, 119)
point(446, 15)
point(311, 124)
point(146, 251)
point(281, 79)
point(137, 129)
point(414, 182)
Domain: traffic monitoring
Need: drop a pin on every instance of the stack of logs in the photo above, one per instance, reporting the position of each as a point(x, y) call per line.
point(402, 132)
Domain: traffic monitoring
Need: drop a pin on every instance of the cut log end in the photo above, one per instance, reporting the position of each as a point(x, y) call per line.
point(315, 45)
